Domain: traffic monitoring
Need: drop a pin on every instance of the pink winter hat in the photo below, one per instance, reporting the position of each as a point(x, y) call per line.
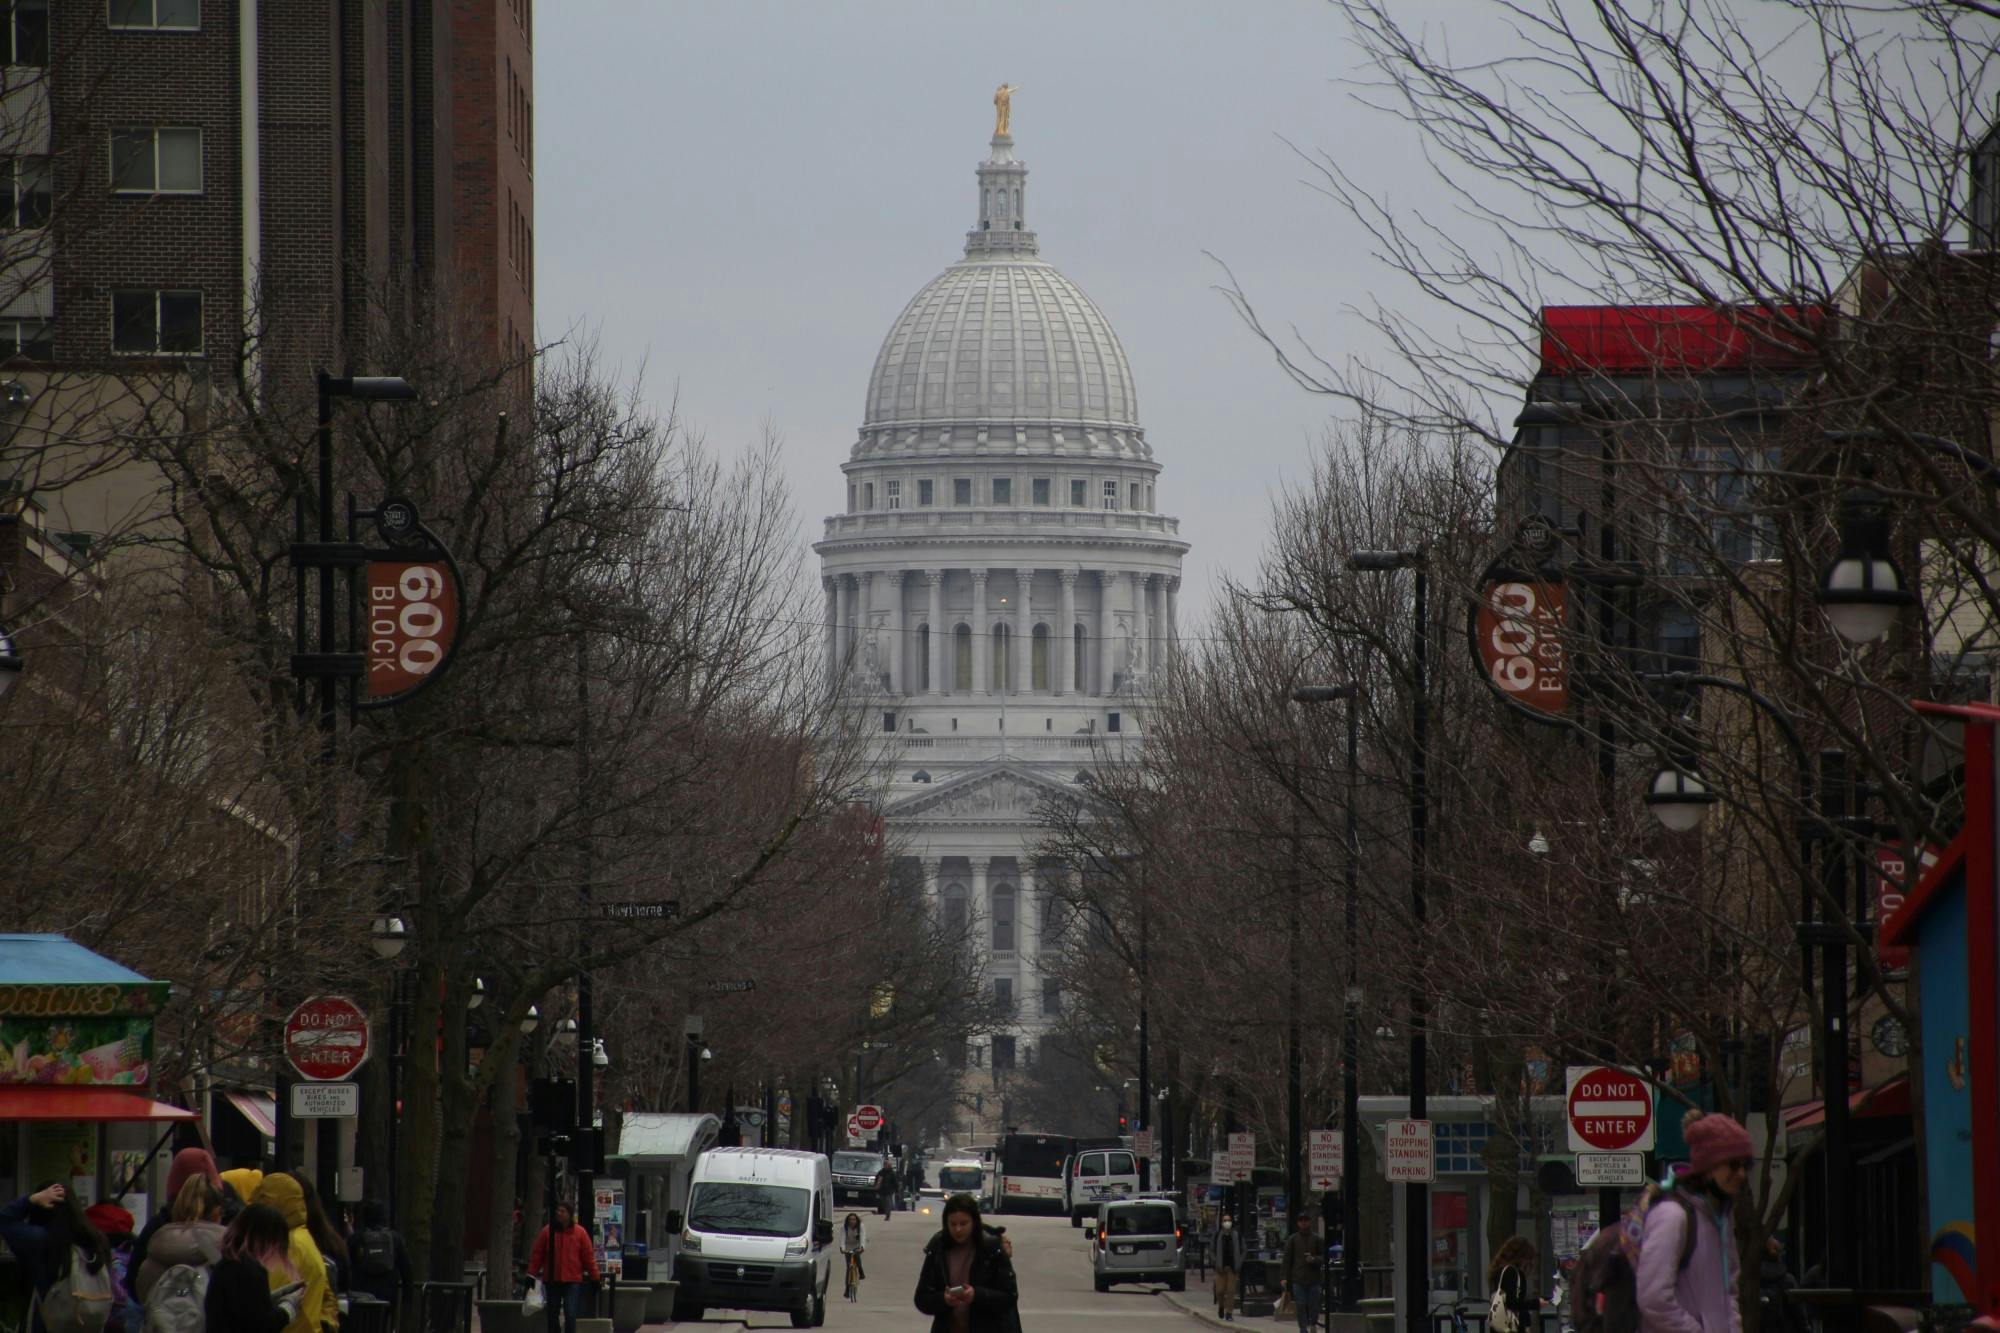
point(1713, 1139)
point(191, 1162)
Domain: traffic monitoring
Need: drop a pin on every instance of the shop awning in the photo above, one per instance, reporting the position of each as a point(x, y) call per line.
point(1889, 1098)
point(259, 1110)
point(41, 1103)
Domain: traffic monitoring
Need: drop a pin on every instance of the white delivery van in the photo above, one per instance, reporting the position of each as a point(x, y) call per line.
point(757, 1234)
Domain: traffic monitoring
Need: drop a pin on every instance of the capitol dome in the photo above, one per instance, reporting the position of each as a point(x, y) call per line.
point(1000, 337)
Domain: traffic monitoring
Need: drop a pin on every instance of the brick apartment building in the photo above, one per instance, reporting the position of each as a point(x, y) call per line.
point(232, 188)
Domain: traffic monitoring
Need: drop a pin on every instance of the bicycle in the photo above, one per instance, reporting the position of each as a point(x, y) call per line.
point(854, 1275)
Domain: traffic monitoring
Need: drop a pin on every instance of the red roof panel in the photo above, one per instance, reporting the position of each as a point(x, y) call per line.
point(1675, 339)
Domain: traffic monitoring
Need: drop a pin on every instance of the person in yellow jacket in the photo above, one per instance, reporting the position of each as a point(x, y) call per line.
point(321, 1308)
point(244, 1181)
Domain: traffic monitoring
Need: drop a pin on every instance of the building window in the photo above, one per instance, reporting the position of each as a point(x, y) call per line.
point(1076, 500)
point(1461, 1147)
point(888, 722)
point(1039, 490)
point(1149, 500)
point(850, 497)
point(152, 323)
point(1134, 502)
point(27, 34)
point(867, 495)
point(1051, 995)
point(926, 493)
point(172, 15)
point(1111, 721)
point(1110, 495)
point(893, 492)
point(1003, 490)
point(1003, 996)
point(954, 909)
point(961, 673)
point(156, 161)
point(1003, 1052)
point(1038, 657)
point(1003, 920)
point(1001, 659)
point(25, 198)
point(961, 490)
point(32, 339)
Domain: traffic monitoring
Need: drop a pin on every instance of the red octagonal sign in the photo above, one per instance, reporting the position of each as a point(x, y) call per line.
point(327, 1038)
point(1610, 1110)
point(868, 1118)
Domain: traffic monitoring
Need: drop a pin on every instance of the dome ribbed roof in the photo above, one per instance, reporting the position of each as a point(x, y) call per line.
point(1001, 339)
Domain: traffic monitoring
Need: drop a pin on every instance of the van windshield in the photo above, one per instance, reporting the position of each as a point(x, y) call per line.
point(1145, 1220)
point(857, 1163)
point(748, 1210)
point(952, 1179)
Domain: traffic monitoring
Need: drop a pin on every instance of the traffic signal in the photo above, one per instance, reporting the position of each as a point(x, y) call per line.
point(1123, 1122)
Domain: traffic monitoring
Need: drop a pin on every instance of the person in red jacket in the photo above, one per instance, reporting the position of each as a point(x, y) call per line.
point(575, 1263)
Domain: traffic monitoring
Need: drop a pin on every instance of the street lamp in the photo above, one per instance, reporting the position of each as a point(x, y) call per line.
point(1350, 1076)
point(1417, 1205)
point(1677, 797)
point(599, 1059)
point(531, 1020)
point(1862, 590)
point(387, 937)
point(478, 996)
point(10, 661)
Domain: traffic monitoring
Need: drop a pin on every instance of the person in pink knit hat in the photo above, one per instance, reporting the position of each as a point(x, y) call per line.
point(1698, 1295)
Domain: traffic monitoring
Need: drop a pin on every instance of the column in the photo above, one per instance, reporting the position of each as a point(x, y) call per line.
point(940, 635)
point(1156, 641)
point(1106, 580)
point(981, 911)
point(933, 883)
point(832, 631)
point(1028, 937)
point(1171, 633)
point(896, 645)
point(1064, 656)
point(1024, 632)
point(844, 639)
point(1138, 590)
point(982, 632)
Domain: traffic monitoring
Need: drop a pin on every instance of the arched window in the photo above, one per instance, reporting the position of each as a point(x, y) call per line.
point(961, 671)
point(921, 775)
point(1076, 660)
point(1002, 659)
point(954, 909)
point(1003, 918)
point(1039, 654)
point(1017, 210)
point(924, 658)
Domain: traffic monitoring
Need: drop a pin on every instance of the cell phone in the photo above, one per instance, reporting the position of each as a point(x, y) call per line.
point(955, 1290)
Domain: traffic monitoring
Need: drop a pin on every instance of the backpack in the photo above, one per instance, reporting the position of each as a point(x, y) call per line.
point(375, 1253)
point(81, 1301)
point(178, 1302)
point(1604, 1297)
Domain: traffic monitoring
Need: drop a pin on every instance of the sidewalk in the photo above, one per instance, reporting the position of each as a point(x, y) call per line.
point(1198, 1301)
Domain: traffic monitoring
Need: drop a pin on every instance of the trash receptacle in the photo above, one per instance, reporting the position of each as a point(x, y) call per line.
point(446, 1307)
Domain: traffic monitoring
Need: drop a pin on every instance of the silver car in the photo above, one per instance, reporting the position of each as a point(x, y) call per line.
point(1137, 1240)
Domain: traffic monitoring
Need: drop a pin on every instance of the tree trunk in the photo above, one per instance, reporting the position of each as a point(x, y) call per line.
point(501, 1171)
point(417, 1176)
point(454, 1142)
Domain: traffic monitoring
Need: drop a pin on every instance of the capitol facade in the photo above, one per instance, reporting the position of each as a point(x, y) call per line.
point(1000, 584)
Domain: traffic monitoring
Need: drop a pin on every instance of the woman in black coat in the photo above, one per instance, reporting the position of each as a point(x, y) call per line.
point(967, 1281)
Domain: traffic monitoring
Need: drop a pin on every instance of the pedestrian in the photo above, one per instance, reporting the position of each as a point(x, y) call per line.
point(565, 1260)
point(1696, 1294)
point(115, 1225)
point(255, 1287)
point(187, 1162)
point(885, 1188)
point(193, 1235)
point(1776, 1311)
point(967, 1282)
point(47, 1232)
point(1511, 1276)
point(381, 1260)
point(1228, 1263)
point(1305, 1256)
point(853, 1244)
point(319, 1308)
point(332, 1245)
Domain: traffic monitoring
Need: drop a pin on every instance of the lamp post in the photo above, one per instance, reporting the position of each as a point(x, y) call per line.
point(10, 661)
point(1350, 1039)
point(388, 937)
point(1417, 1209)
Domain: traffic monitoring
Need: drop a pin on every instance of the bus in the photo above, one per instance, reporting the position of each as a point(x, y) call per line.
point(1028, 1172)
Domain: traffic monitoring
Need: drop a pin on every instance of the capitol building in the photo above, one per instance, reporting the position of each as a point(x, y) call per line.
point(1000, 583)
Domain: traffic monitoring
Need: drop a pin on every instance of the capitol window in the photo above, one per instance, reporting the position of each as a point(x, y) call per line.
point(893, 492)
point(1135, 496)
point(867, 495)
point(1003, 490)
point(1040, 490)
point(1110, 495)
point(961, 490)
point(1076, 499)
point(1039, 655)
point(926, 493)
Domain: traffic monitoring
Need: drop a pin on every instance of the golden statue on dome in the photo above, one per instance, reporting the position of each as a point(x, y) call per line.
point(1003, 108)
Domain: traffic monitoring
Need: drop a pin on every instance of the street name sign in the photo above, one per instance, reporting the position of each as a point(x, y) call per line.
point(1407, 1153)
point(326, 1101)
point(666, 910)
point(1323, 1158)
point(1610, 1110)
point(326, 1038)
point(1610, 1168)
point(732, 987)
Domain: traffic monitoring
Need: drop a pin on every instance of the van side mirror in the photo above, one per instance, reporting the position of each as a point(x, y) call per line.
point(822, 1232)
point(674, 1219)
point(1090, 1231)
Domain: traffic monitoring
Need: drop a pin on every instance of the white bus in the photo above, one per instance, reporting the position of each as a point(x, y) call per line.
point(1028, 1172)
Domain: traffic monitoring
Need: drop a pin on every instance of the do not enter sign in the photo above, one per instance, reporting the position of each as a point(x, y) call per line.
point(326, 1038)
point(1610, 1110)
point(868, 1119)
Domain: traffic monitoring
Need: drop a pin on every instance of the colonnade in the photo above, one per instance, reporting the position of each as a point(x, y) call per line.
point(872, 631)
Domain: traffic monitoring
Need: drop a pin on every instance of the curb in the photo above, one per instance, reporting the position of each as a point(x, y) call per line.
point(1203, 1312)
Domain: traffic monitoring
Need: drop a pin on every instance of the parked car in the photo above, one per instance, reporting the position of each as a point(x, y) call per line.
point(1137, 1240)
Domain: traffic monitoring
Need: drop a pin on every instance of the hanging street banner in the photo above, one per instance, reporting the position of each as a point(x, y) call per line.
point(1514, 627)
point(412, 623)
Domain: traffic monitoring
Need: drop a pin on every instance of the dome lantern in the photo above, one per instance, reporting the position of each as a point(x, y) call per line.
point(1002, 226)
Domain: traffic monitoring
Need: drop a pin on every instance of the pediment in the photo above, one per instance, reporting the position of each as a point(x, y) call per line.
point(997, 794)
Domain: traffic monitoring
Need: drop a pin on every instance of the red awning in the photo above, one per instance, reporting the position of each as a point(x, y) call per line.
point(44, 1103)
point(1884, 1099)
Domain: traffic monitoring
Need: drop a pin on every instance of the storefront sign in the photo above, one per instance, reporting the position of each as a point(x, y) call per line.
point(99, 999)
point(76, 1052)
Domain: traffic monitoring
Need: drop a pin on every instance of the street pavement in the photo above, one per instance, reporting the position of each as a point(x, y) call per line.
point(1049, 1259)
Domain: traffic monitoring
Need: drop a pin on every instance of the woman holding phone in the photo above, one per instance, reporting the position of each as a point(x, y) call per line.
point(967, 1281)
point(254, 1287)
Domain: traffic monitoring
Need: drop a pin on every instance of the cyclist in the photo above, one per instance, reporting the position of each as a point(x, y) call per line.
point(853, 1244)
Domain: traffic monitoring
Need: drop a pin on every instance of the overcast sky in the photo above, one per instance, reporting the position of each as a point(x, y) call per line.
point(742, 196)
